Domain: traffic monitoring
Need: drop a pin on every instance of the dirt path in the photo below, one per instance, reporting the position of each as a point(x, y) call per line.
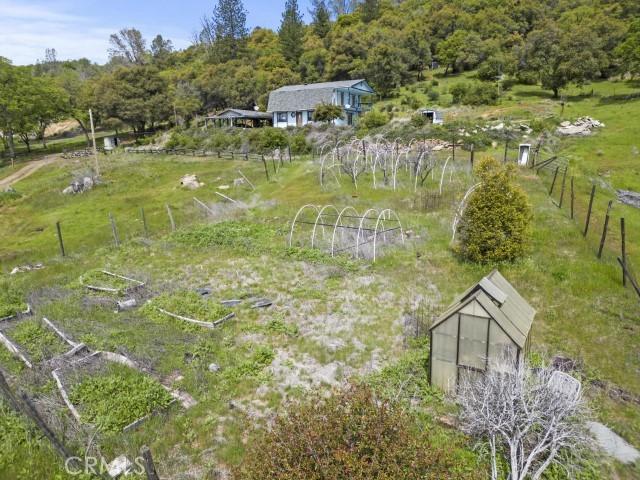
point(30, 168)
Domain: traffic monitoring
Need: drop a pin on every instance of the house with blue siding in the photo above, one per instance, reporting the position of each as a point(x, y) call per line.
point(293, 105)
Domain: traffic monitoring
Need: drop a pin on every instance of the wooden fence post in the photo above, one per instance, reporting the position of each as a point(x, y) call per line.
point(573, 197)
point(553, 182)
point(149, 467)
point(273, 164)
point(289, 152)
point(114, 230)
point(604, 229)
point(586, 225)
point(506, 149)
point(453, 151)
point(62, 252)
point(266, 170)
point(564, 180)
point(471, 155)
point(173, 223)
point(364, 148)
point(144, 223)
point(623, 250)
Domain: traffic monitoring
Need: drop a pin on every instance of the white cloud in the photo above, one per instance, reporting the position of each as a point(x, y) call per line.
point(27, 30)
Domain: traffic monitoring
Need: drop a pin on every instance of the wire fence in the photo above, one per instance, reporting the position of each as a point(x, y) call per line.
point(597, 215)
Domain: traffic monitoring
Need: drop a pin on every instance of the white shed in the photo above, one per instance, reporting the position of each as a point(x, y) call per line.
point(433, 116)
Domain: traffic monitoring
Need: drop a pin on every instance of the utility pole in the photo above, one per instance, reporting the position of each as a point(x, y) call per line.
point(93, 137)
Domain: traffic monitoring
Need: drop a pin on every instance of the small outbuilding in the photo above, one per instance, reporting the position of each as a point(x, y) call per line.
point(489, 321)
point(235, 117)
point(432, 116)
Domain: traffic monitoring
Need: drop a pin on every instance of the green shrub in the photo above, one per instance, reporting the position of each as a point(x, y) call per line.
point(326, 112)
point(352, 434)
point(299, 145)
point(117, 397)
point(418, 120)
point(11, 301)
point(374, 119)
point(476, 93)
point(266, 140)
point(491, 69)
point(495, 225)
point(411, 101)
point(433, 95)
point(181, 140)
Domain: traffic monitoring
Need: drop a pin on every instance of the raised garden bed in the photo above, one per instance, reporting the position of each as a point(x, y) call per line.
point(188, 307)
point(34, 341)
point(109, 391)
point(109, 282)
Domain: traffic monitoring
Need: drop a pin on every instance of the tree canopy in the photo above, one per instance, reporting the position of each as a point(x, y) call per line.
point(390, 44)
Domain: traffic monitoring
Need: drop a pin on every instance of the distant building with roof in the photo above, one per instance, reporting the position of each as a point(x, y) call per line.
point(235, 117)
point(293, 105)
point(488, 322)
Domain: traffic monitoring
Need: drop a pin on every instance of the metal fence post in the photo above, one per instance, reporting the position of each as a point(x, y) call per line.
point(59, 232)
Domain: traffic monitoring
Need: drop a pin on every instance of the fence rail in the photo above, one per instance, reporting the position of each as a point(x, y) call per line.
point(285, 155)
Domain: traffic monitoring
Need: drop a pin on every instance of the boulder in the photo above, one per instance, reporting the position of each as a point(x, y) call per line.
point(629, 198)
point(80, 185)
point(581, 127)
point(214, 367)
point(190, 181)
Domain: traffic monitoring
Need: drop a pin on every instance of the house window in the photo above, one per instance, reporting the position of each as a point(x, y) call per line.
point(341, 98)
point(310, 116)
point(282, 117)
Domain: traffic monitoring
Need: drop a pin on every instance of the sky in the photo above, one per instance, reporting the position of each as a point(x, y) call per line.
point(81, 28)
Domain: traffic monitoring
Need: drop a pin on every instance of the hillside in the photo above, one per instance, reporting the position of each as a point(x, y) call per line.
point(319, 329)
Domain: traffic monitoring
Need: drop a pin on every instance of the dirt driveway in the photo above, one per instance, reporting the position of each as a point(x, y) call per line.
point(28, 169)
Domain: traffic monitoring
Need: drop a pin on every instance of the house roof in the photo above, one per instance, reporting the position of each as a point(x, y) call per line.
point(502, 302)
point(239, 113)
point(292, 98)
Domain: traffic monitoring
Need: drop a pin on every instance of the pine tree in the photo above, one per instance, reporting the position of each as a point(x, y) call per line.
point(291, 32)
point(321, 18)
point(226, 29)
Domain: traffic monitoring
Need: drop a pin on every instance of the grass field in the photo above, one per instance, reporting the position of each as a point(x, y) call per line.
point(332, 318)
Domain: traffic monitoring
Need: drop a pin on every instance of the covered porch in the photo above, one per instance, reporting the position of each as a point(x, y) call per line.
point(232, 117)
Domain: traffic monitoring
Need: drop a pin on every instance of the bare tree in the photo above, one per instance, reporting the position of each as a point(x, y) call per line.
point(342, 7)
point(129, 46)
point(530, 415)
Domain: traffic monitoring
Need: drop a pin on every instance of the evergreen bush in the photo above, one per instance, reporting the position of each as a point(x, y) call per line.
point(495, 226)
